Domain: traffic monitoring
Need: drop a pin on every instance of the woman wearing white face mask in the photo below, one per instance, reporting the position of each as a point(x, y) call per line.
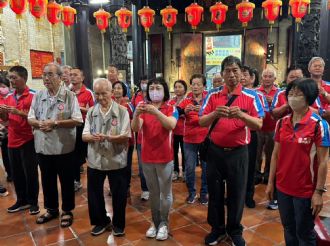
point(156, 120)
point(299, 163)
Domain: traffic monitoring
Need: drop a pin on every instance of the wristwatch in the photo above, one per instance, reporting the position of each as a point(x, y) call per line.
point(321, 190)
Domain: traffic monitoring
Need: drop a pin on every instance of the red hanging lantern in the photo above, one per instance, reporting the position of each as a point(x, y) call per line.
point(54, 11)
point(146, 17)
point(272, 9)
point(299, 8)
point(102, 19)
point(328, 4)
point(3, 3)
point(245, 12)
point(194, 14)
point(218, 14)
point(169, 17)
point(124, 17)
point(19, 7)
point(38, 8)
point(68, 16)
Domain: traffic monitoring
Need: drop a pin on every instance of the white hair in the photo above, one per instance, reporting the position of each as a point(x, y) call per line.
point(102, 81)
point(65, 67)
point(269, 70)
point(314, 59)
point(217, 75)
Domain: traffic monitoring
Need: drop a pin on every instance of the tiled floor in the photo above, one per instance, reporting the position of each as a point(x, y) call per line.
point(187, 222)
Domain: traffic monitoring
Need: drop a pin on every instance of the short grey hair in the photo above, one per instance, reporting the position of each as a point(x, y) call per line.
point(58, 67)
point(314, 59)
point(65, 67)
point(269, 70)
point(216, 76)
point(102, 81)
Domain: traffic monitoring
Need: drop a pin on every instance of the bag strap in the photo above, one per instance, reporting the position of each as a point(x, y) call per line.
point(230, 101)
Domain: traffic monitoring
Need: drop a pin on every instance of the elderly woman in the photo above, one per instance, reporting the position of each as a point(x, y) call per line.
point(156, 121)
point(107, 130)
point(300, 175)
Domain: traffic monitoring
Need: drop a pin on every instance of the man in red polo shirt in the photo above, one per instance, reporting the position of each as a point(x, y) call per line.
point(265, 135)
point(228, 152)
point(21, 149)
point(86, 100)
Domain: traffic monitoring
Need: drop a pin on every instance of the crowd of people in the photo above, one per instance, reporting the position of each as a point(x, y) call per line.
point(241, 133)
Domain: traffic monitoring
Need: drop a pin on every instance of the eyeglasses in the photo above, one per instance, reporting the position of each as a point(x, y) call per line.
point(49, 75)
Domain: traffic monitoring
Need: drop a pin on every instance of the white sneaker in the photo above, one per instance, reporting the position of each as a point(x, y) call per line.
point(145, 195)
point(77, 186)
point(152, 231)
point(162, 233)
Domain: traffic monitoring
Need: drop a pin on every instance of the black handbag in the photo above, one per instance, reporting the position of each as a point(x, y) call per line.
point(204, 146)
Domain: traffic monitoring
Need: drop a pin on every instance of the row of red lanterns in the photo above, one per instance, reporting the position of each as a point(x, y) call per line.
point(194, 13)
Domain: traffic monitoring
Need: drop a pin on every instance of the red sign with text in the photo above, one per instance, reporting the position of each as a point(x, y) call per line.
point(38, 60)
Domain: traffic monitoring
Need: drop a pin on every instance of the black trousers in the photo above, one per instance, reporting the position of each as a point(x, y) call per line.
point(25, 173)
point(178, 141)
point(252, 149)
point(5, 157)
point(231, 166)
point(52, 166)
point(129, 164)
point(96, 203)
point(79, 153)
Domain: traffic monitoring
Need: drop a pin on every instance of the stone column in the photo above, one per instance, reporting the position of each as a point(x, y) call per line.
point(325, 39)
point(82, 40)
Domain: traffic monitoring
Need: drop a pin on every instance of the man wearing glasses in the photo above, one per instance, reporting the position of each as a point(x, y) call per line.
point(54, 115)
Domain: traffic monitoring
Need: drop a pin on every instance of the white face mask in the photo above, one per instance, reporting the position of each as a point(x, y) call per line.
point(297, 104)
point(144, 87)
point(156, 95)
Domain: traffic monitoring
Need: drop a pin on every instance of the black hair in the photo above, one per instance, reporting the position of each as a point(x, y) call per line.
point(247, 69)
point(143, 77)
point(292, 68)
point(160, 81)
point(230, 60)
point(256, 77)
point(198, 76)
point(4, 80)
point(307, 86)
point(182, 82)
point(122, 85)
point(113, 65)
point(81, 71)
point(20, 70)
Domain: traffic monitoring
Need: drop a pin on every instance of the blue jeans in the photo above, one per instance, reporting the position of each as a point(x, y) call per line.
point(190, 155)
point(297, 220)
point(142, 178)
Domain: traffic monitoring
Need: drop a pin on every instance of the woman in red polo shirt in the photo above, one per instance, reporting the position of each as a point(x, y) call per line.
point(300, 176)
point(120, 97)
point(156, 121)
point(180, 90)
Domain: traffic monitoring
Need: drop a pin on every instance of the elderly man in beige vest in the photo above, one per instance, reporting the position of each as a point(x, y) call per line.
point(54, 115)
point(107, 130)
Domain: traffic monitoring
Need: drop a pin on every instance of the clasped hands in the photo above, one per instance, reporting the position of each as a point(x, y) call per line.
point(8, 109)
point(229, 112)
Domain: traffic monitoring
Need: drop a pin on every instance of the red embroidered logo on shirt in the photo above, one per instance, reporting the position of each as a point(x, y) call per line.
point(114, 122)
point(61, 107)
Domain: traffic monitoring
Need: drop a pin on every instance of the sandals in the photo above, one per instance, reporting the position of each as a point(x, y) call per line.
point(66, 219)
point(46, 217)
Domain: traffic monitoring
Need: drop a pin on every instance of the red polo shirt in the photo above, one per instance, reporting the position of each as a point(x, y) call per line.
point(157, 146)
point(137, 98)
point(179, 129)
point(193, 132)
point(326, 87)
point(232, 132)
point(19, 130)
point(269, 122)
point(130, 113)
point(296, 171)
point(85, 99)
